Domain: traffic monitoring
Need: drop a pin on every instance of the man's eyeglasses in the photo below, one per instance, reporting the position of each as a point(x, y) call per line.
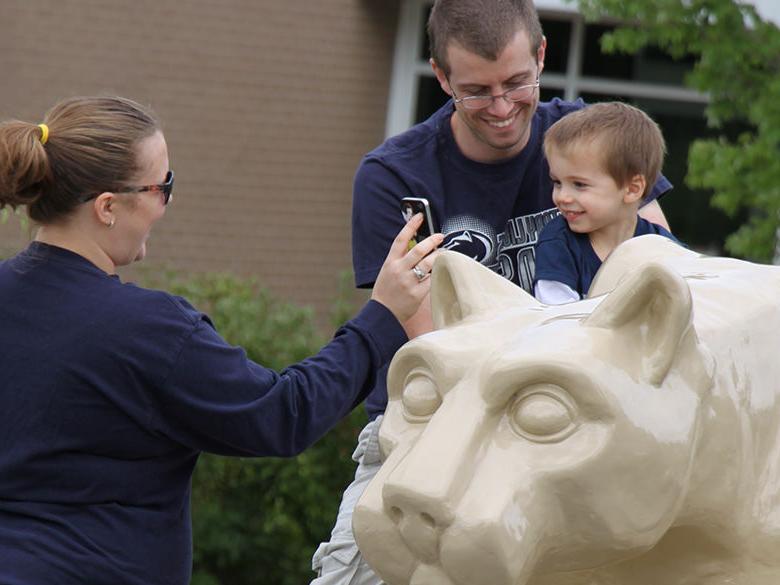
point(166, 188)
point(512, 95)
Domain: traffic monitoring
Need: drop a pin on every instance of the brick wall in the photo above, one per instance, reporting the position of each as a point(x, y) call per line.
point(267, 107)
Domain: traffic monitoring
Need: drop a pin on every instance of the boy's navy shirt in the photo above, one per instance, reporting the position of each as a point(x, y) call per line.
point(568, 257)
point(491, 212)
point(108, 394)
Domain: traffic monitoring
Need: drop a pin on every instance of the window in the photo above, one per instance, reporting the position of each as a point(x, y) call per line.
point(576, 67)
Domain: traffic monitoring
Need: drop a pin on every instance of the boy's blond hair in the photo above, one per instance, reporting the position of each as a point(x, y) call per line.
point(630, 143)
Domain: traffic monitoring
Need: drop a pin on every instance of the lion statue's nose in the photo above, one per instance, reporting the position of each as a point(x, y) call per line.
point(420, 519)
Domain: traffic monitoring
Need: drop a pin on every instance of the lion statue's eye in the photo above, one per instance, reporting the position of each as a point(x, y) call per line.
point(542, 414)
point(420, 396)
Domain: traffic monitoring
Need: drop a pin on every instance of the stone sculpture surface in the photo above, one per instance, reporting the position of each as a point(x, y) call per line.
point(627, 439)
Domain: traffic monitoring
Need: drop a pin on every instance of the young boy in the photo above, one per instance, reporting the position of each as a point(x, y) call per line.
point(604, 160)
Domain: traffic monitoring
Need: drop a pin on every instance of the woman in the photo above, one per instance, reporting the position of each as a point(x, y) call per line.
point(108, 391)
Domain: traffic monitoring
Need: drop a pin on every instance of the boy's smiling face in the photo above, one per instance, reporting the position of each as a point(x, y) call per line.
point(586, 194)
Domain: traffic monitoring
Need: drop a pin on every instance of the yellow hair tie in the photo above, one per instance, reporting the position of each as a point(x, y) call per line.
point(44, 133)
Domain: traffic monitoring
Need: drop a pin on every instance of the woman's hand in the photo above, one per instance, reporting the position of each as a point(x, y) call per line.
point(403, 282)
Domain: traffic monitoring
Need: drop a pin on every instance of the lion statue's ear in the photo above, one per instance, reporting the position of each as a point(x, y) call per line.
point(652, 308)
point(462, 287)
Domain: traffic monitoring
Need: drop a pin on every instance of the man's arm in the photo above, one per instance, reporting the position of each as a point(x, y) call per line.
point(653, 213)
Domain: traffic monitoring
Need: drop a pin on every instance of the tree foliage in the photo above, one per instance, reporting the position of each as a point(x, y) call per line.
point(737, 63)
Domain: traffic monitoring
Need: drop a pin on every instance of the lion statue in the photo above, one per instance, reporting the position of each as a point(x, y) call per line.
point(630, 438)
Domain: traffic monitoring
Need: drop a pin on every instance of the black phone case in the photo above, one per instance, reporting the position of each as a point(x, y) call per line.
point(413, 205)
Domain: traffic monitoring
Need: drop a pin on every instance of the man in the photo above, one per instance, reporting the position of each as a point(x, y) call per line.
point(479, 162)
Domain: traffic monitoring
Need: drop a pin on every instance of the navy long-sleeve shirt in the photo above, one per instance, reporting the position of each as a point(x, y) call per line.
point(108, 392)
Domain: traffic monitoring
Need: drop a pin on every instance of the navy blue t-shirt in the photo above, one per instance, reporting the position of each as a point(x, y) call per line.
point(568, 257)
point(108, 393)
point(492, 212)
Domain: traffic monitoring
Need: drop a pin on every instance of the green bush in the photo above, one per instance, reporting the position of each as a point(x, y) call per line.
point(258, 521)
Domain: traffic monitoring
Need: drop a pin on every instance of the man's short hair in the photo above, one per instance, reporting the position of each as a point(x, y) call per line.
point(484, 27)
point(629, 142)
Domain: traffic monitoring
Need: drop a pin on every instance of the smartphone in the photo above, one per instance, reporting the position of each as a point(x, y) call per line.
point(413, 205)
